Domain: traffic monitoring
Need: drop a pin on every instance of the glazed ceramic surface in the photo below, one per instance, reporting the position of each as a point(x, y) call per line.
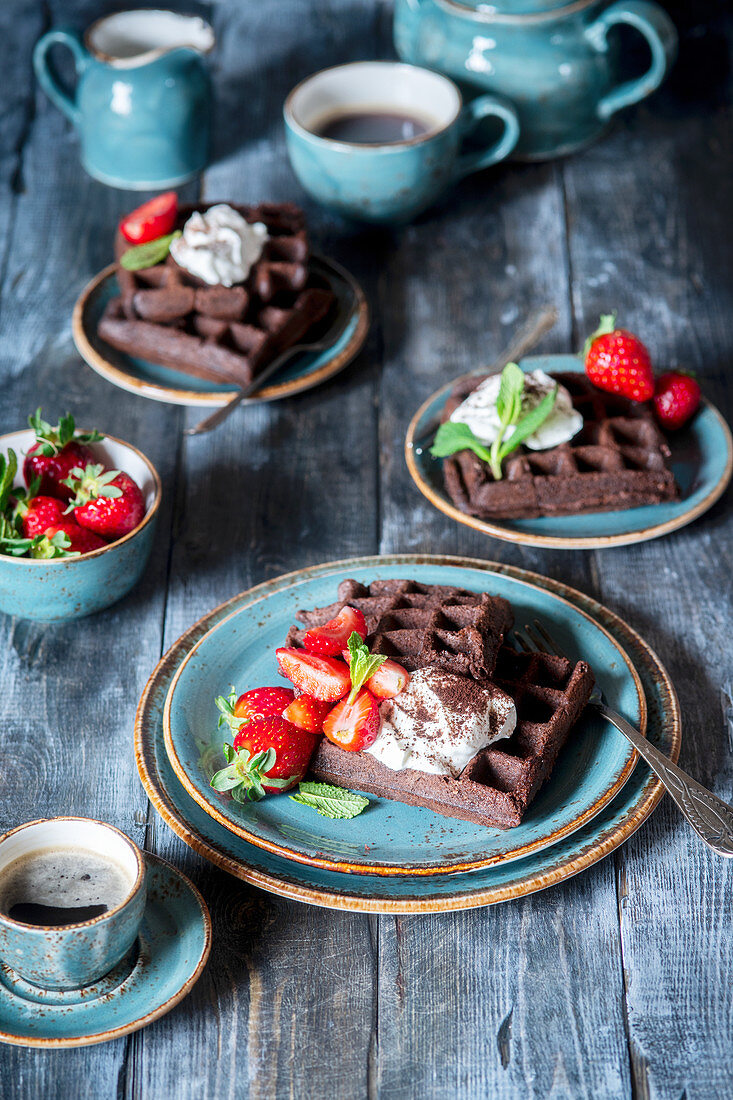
point(391, 182)
point(702, 462)
point(142, 99)
point(392, 837)
point(69, 588)
point(74, 955)
point(304, 370)
point(159, 970)
point(557, 63)
point(406, 893)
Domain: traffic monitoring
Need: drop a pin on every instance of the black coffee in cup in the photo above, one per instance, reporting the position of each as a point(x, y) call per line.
point(59, 886)
point(372, 127)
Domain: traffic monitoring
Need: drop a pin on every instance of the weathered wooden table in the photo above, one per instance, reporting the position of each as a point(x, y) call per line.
point(614, 984)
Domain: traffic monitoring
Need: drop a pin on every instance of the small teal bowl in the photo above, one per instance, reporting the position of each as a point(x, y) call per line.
point(69, 588)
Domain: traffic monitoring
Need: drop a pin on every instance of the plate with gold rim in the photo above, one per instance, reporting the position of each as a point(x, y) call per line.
point(349, 322)
point(407, 894)
point(390, 837)
point(702, 463)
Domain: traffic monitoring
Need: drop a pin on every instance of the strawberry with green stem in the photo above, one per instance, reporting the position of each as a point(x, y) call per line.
point(107, 502)
point(56, 452)
point(269, 755)
point(618, 362)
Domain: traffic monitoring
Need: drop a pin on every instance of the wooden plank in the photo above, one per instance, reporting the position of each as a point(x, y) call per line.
point(287, 1005)
point(647, 238)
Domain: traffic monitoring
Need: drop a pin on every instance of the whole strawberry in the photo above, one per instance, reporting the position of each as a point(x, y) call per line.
point(80, 541)
point(55, 453)
point(38, 513)
point(676, 399)
point(107, 502)
point(618, 362)
point(269, 755)
point(256, 703)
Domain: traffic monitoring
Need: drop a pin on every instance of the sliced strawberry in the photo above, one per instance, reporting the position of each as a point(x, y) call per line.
point(153, 219)
point(353, 726)
point(325, 678)
point(332, 638)
point(307, 713)
point(389, 680)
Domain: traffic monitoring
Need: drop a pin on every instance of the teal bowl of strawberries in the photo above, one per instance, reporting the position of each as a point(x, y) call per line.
point(77, 519)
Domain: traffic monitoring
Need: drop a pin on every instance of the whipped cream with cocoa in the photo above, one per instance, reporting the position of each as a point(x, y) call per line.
point(219, 246)
point(479, 412)
point(440, 721)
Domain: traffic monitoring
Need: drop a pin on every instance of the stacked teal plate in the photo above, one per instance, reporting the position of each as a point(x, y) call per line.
point(590, 805)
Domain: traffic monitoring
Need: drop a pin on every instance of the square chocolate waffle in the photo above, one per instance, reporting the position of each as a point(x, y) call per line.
point(499, 783)
point(618, 460)
point(222, 334)
point(421, 625)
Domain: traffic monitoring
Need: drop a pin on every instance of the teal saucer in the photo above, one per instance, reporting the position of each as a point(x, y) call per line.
point(162, 967)
point(392, 837)
point(146, 379)
point(409, 893)
point(702, 463)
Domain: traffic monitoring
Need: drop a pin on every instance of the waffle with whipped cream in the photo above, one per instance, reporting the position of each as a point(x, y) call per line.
point(528, 704)
point(618, 460)
point(223, 334)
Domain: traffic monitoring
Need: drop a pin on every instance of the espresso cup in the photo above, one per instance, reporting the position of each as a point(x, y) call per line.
point(388, 181)
point(71, 956)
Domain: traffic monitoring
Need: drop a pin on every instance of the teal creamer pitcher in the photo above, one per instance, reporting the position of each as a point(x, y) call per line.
point(555, 60)
point(142, 98)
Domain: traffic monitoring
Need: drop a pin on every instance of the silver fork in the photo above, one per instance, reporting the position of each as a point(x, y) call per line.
point(710, 817)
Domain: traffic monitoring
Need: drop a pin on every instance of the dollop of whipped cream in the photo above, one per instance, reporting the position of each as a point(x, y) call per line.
point(440, 721)
point(219, 246)
point(479, 412)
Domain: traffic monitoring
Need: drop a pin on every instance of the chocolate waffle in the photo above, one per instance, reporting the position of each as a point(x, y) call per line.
point(618, 460)
point(422, 625)
point(221, 334)
point(498, 784)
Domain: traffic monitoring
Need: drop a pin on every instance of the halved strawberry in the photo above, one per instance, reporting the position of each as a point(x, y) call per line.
point(153, 219)
point(353, 726)
point(307, 713)
point(325, 678)
point(331, 638)
point(389, 680)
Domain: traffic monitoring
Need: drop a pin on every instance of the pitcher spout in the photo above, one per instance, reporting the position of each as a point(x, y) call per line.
point(130, 39)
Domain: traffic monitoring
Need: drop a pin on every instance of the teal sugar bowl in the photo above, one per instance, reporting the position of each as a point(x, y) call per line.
point(556, 61)
point(142, 100)
point(60, 589)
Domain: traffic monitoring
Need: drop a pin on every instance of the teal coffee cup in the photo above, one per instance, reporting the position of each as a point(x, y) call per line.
point(55, 872)
point(141, 104)
point(380, 141)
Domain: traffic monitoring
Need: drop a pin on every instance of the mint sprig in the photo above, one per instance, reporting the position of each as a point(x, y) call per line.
point(362, 664)
point(454, 436)
point(329, 801)
point(149, 254)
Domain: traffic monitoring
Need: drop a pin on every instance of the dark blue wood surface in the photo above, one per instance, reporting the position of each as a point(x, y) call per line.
point(615, 984)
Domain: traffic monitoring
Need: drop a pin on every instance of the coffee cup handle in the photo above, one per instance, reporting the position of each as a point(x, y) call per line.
point(46, 73)
point(474, 111)
point(658, 29)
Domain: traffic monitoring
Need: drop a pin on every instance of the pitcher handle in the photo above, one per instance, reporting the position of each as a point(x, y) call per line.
point(46, 73)
point(658, 29)
point(470, 117)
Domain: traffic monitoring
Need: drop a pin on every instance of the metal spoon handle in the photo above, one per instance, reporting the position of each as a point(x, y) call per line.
point(526, 336)
point(709, 816)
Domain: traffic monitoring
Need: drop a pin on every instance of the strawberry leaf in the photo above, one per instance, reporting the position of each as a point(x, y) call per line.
point(244, 774)
point(330, 801)
point(606, 325)
point(362, 664)
point(8, 470)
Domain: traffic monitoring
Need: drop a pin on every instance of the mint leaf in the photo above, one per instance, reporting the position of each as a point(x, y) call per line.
point(509, 401)
point(362, 664)
point(529, 424)
point(149, 254)
point(333, 802)
point(453, 436)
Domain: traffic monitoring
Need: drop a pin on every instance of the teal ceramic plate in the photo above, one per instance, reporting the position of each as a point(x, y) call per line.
point(373, 893)
point(391, 837)
point(162, 384)
point(162, 967)
point(702, 462)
